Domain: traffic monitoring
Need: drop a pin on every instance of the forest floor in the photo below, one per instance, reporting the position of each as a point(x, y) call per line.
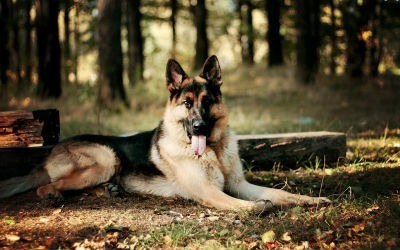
point(364, 187)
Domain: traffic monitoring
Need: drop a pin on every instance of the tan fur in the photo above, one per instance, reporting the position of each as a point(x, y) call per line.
point(73, 166)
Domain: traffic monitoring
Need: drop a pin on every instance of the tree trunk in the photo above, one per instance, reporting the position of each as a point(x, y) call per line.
point(67, 41)
point(246, 32)
point(307, 22)
point(111, 88)
point(76, 43)
point(273, 10)
point(376, 37)
point(49, 51)
point(334, 48)
point(200, 20)
point(135, 42)
point(356, 46)
point(16, 44)
point(28, 42)
point(174, 10)
point(4, 45)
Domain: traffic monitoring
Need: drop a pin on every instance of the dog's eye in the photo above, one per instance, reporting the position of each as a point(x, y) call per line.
point(187, 103)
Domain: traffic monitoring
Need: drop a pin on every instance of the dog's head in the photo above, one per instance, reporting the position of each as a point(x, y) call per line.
point(197, 102)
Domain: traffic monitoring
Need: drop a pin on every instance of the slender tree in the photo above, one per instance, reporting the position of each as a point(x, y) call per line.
point(4, 48)
point(376, 40)
point(135, 41)
point(246, 31)
point(16, 40)
point(67, 40)
point(356, 46)
point(111, 88)
point(334, 49)
point(273, 10)
point(27, 5)
point(49, 51)
point(307, 22)
point(77, 40)
point(200, 20)
point(174, 11)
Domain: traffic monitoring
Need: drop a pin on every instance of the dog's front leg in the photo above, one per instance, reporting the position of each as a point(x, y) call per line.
point(199, 188)
point(199, 184)
point(237, 185)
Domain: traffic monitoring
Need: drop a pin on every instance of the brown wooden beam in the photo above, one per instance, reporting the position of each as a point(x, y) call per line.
point(290, 149)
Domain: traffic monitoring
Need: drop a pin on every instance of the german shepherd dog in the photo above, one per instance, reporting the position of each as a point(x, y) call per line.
point(192, 154)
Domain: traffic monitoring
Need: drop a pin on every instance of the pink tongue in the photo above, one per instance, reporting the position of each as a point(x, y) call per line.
point(198, 144)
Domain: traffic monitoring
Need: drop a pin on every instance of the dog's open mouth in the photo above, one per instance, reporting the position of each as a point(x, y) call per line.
point(198, 144)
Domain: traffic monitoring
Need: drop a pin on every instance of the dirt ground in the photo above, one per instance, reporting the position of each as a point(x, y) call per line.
point(365, 215)
point(28, 222)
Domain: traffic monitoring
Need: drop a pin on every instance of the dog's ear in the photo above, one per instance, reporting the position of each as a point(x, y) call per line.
point(212, 71)
point(175, 75)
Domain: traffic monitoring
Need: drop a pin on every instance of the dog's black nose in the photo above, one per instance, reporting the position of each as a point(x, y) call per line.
point(199, 127)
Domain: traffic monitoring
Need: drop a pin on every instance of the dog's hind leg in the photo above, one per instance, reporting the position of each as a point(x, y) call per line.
point(77, 166)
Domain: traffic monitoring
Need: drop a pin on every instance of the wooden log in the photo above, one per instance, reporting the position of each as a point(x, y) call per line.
point(288, 150)
point(260, 151)
point(28, 129)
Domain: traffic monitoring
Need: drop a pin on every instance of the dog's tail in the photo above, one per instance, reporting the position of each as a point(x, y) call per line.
point(19, 184)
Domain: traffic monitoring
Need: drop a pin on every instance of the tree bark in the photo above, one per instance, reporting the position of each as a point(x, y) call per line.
point(333, 39)
point(135, 42)
point(28, 42)
point(49, 51)
point(200, 20)
point(16, 44)
point(77, 41)
point(375, 11)
point(288, 150)
point(174, 11)
point(246, 31)
point(307, 22)
point(4, 44)
point(67, 41)
point(273, 10)
point(111, 88)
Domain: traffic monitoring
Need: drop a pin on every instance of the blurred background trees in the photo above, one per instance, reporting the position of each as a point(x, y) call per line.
point(117, 44)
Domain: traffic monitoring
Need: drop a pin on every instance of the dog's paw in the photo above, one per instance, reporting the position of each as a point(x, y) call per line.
point(262, 206)
point(112, 190)
point(307, 200)
point(322, 200)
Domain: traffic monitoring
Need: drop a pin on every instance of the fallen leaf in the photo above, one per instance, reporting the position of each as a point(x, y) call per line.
point(223, 232)
point(213, 218)
point(12, 237)
point(268, 236)
point(286, 237)
point(44, 219)
point(57, 211)
point(9, 221)
point(359, 227)
point(167, 240)
point(272, 245)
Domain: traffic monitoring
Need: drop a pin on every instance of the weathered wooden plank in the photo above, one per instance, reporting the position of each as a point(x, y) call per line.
point(265, 151)
point(26, 129)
